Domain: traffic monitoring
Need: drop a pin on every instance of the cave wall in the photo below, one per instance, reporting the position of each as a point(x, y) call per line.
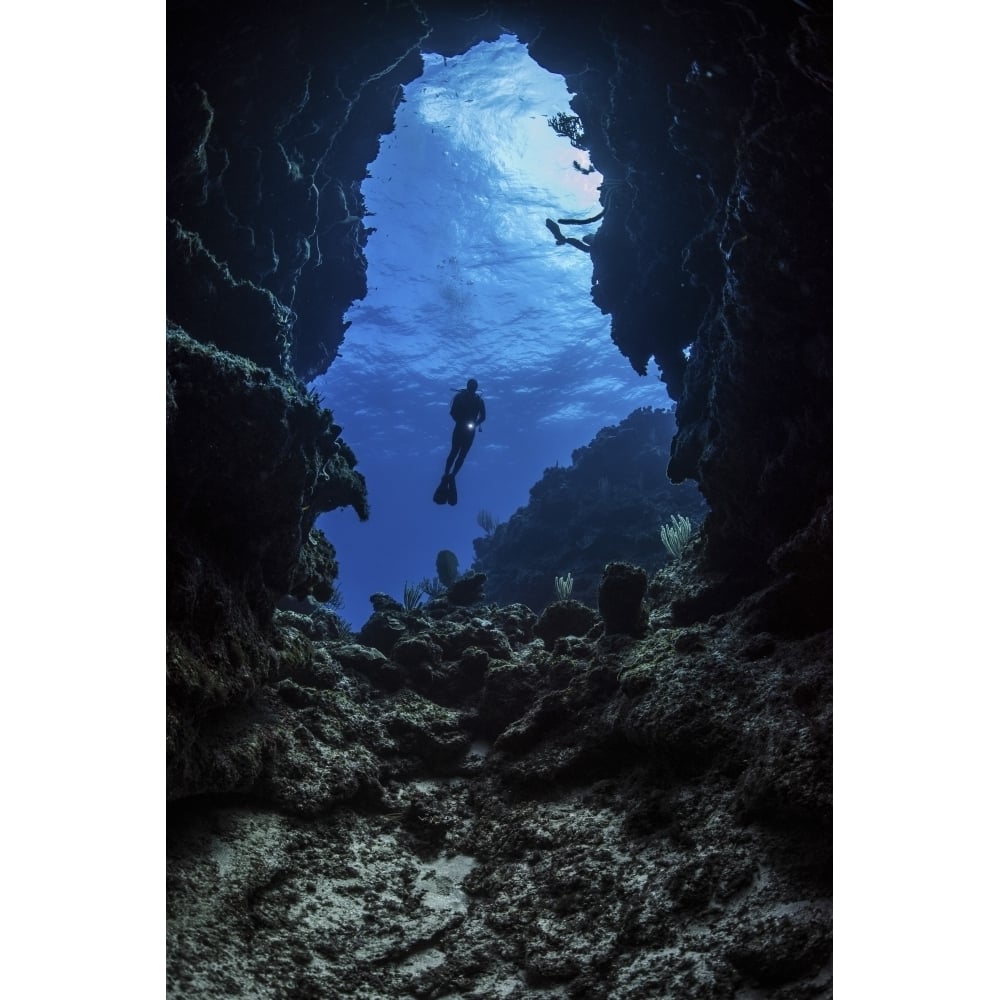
point(711, 123)
point(712, 126)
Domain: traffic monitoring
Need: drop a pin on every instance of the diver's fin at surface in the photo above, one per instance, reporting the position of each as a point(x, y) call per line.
point(441, 493)
point(452, 491)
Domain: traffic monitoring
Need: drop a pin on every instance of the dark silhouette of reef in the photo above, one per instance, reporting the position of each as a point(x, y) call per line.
point(252, 460)
point(607, 505)
point(628, 797)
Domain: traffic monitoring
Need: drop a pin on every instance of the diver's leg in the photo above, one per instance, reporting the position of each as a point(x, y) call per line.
point(456, 448)
point(462, 441)
point(466, 445)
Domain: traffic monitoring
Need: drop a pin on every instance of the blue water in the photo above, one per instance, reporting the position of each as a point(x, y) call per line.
point(465, 281)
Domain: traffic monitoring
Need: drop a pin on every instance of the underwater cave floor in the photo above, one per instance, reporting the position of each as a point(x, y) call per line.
point(617, 889)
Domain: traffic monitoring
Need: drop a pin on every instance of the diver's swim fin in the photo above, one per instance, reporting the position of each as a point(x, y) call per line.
point(441, 493)
point(452, 491)
point(555, 231)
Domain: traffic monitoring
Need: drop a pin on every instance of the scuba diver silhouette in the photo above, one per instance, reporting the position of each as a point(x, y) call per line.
point(468, 411)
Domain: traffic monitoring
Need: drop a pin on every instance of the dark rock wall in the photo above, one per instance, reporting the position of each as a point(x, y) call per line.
point(274, 114)
point(712, 126)
point(252, 460)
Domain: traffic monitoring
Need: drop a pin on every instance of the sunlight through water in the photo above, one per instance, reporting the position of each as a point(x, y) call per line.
point(465, 280)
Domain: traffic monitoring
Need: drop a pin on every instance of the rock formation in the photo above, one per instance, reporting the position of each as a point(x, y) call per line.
point(473, 812)
point(606, 506)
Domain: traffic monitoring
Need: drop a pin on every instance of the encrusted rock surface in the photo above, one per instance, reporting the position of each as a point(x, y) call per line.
point(564, 618)
point(619, 599)
point(252, 461)
point(627, 817)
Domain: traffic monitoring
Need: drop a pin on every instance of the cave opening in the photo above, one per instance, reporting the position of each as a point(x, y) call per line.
point(466, 280)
